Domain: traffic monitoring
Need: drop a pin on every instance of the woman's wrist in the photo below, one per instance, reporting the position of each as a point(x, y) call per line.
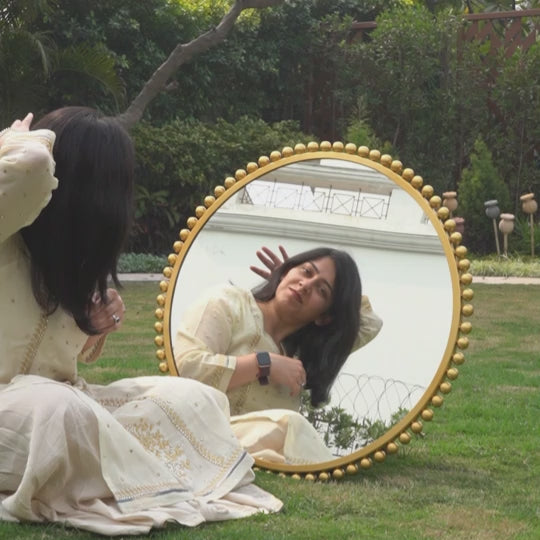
point(264, 363)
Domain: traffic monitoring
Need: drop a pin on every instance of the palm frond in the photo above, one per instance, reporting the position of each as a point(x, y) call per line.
point(44, 45)
point(95, 63)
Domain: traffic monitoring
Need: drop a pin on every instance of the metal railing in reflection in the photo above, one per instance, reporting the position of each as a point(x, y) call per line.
point(313, 199)
point(362, 408)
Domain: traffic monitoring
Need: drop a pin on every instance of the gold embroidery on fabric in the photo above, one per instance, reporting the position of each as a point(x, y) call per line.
point(238, 402)
point(91, 355)
point(215, 377)
point(33, 344)
point(155, 442)
point(257, 335)
point(255, 340)
point(112, 403)
point(225, 465)
point(181, 426)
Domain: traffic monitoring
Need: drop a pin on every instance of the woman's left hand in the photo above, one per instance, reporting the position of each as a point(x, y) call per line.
point(270, 259)
point(18, 125)
point(107, 316)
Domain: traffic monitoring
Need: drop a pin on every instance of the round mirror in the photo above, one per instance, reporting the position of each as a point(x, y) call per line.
point(412, 267)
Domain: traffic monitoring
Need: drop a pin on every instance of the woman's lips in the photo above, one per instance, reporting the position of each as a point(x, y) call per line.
point(296, 294)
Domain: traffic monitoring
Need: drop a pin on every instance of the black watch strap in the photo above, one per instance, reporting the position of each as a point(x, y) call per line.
point(263, 362)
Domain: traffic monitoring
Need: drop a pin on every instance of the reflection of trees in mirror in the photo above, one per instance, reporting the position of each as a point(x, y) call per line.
point(342, 432)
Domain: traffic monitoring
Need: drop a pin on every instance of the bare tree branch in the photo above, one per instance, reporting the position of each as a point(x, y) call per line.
point(182, 54)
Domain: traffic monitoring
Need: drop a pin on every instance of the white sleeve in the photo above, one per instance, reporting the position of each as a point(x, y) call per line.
point(370, 324)
point(202, 341)
point(26, 178)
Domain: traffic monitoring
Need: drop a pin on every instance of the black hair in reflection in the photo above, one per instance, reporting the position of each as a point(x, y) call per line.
point(323, 349)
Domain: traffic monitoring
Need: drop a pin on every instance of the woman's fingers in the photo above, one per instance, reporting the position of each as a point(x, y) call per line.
point(265, 274)
point(270, 260)
point(300, 382)
point(24, 124)
point(115, 308)
point(107, 317)
point(289, 372)
point(284, 254)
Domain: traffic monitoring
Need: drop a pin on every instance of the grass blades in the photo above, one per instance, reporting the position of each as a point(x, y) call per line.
point(473, 476)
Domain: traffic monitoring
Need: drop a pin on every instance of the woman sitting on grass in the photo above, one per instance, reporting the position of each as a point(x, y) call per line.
point(263, 347)
point(115, 459)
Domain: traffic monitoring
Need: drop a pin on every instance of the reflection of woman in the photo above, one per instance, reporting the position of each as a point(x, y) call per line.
point(116, 459)
point(297, 330)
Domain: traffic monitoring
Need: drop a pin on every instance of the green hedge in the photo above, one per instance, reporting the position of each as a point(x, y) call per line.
point(181, 162)
point(141, 263)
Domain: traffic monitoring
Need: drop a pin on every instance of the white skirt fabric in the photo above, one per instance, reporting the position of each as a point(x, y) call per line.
point(280, 436)
point(122, 458)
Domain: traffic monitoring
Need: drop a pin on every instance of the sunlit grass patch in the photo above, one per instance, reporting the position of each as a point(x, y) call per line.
point(470, 523)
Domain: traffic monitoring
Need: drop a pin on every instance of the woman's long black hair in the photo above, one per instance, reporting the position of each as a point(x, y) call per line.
point(76, 240)
point(323, 349)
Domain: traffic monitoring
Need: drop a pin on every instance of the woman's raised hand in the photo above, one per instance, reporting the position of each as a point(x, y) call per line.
point(107, 316)
point(24, 124)
point(289, 372)
point(270, 260)
point(18, 125)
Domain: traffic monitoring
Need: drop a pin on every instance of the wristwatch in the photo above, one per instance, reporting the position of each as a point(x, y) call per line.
point(264, 362)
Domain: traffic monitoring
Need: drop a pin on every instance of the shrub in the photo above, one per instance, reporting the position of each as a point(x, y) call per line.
point(480, 182)
point(360, 133)
point(181, 162)
point(520, 239)
point(141, 263)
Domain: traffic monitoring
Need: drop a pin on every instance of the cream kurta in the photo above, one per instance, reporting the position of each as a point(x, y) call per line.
point(116, 459)
point(227, 323)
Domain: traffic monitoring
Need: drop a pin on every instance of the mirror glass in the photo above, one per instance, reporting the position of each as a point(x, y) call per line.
point(403, 267)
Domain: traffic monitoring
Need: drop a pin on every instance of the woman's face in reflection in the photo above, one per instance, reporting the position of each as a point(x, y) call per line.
point(306, 290)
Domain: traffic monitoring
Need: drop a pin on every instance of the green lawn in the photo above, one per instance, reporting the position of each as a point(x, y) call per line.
point(474, 475)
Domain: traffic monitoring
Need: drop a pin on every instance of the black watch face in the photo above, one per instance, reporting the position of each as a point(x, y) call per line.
point(263, 359)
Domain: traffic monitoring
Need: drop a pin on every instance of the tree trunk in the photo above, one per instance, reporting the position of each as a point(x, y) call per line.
point(182, 54)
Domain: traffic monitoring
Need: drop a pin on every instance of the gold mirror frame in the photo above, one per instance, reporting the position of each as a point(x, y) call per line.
point(412, 424)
